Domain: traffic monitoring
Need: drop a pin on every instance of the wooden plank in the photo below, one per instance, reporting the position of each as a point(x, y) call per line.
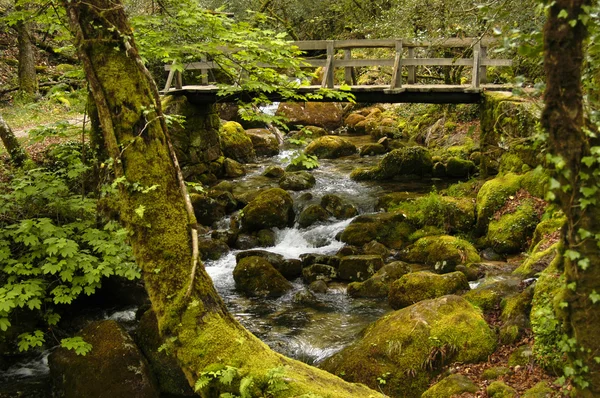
point(411, 69)
point(397, 71)
point(178, 80)
point(348, 70)
point(475, 78)
point(169, 79)
point(328, 71)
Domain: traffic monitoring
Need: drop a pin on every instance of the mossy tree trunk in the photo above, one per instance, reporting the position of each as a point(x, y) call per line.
point(28, 82)
point(577, 171)
point(193, 321)
point(14, 149)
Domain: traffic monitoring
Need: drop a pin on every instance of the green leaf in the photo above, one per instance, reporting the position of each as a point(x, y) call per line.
point(140, 211)
point(563, 14)
point(573, 22)
point(77, 344)
point(4, 324)
point(201, 383)
point(572, 254)
point(584, 263)
point(595, 297)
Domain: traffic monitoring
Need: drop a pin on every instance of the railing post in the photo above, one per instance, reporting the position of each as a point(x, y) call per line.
point(328, 72)
point(170, 78)
point(483, 68)
point(348, 71)
point(204, 72)
point(476, 63)
point(397, 72)
point(411, 69)
point(178, 80)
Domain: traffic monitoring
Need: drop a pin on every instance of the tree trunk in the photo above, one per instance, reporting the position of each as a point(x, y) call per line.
point(193, 321)
point(16, 152)
point(579, 178)
point(27, 78)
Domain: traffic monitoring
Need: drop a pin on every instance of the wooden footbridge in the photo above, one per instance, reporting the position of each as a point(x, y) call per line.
point(405, 84)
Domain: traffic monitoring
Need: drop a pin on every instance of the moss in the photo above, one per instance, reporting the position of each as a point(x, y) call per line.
point(255, 276)
point(235, 143)
point(490, 292)
point(536, 182)
point(413, 160)
point(359, 268)
point(270, 208)
point(297, 181)
point(412, 345)
point(311, 215)
point(443, 252)
point(540, 257)
point(521, 356)
point(511, 231)
point(500, 390)
point(492, 196)
point(338, 207)
point(540, 390)
point(510, 163)
point(417, 286)
point(390, 229)
point(319, 272)
point(371, 149)
point(467, 189)
point(459, 168)
point(547, 227)
point(378, 286)
point(495, 372)
point(450, 386)
point(330, 147)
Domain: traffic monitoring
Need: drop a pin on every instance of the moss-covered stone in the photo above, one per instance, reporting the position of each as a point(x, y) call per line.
point(444, 252)
point(547, 228)
point(315, 258)
point(114, 367)
point(338, 207)
point(374, 247)
point(212, 249)
point(330, 147)
point(319, 272)
point(390, 229)
point(417, 286)
point(509, 234)
point(450, 386)
point(270, 208)
point(322, 114)
point(539, 258)
point(536, 182)
point(264, 142)
point(235, 143)
point(490, 293)
point(372, 149)
point(495, 372)
point(297, 181)
point(359, 268)
point(515, 315)
point(312, 214)
point(521, 356)
point(414, 160)
point(233, 169)
point(273, 172)
point(255, 276)
point(510, 163)
point(378, 286)
point(540, 390)
point(492, 196)
point(459, 168)
point(409, 346)
point(499, 389)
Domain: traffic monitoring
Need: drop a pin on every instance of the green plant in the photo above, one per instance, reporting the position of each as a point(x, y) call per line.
point(308, 162)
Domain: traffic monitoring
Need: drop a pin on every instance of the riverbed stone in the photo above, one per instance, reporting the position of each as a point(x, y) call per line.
point(488, 295)
point(378, 286)
point(330, 147)
point(297, 181)
point(400, 162)
point(491, 197)
point(272, 208)
point(372, 149)
point(499, 389)
point(114, 367)
point(509, 233)
point(410, 346)
point(359, 268)
point(311, 215)
point(233, 169)
point(255, 276)
point(322, 114)
point(443, 252)
point(318, 286)
point(317, 258)
point(450, 386)
point(338, 207)
point(417, 286)
point(274, 172)
point(459, 168)
point(319, 272)
point(235, 143)
point(264, 142)
point(390, 229)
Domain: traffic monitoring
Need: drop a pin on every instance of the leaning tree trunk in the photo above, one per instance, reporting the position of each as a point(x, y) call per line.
point(27, 77)
point(576, 166)
point(14, 149)
point(193, 321)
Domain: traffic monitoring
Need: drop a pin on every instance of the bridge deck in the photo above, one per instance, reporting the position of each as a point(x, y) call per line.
point(414, 93)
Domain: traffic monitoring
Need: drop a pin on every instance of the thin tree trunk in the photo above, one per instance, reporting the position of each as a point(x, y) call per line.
point(563, 119)
point(27, 77)
point(16, 152)
point(193, 320)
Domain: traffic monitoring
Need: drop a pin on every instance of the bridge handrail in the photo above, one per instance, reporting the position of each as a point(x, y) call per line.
point(479, 61)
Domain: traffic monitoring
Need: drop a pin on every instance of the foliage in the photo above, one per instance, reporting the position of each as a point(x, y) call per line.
point(306, 162)
point(52, 249)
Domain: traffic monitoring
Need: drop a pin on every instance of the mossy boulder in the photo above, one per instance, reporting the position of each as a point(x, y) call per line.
point(413, 160)
point(233, 169)
point(330, 147)
point(548, 229)
point(489, 294)
point(444, 252)
point(264, 142)
point(459, 168)
point(450, 386)
point(354, 123)
point(206, 209)
point(321, 114)
point(536, 182)
point(255, 276)
point(319, 272)
point(521, 356)
point(359, 268)
point(311, 215)
point(114, 367)
point(417, 286)
point(378, 286)
point(515, 316)
point(297, 181)
point(492, 196)
point(390, 229)
point(499, 389)
point(540, 390)
point(235, 143)
point(273, 172)
point(495, 372)
point(510, 232)
point(372, 149)
point(289, 268)
point(338, 207)
point(540, 257)
point(408, 347)
point(269, 209)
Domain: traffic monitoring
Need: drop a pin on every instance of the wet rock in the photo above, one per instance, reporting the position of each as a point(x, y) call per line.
point(444, 252)
point(318, 286)
point(265, 143)
point(459, 168)
point(306, 298)
point(372, 149)
point(490, 293)
point(348, 251)
point(314, 258)
point(412, 345)
point(322, 114)
point(450, 386)
point(297, 181)
point(492, 196)
point(374, 247)
point(274, 172)
point(390, 229)
point(235, 143)
point(353, 122)
point(114, 367)
point(292, 319)
point(359, 268)
point(233, 169)
point(338, 207)
point(417, 286)
point(330, 147)
point(270, 208)
point(489, 254)
point(515, 315)
point(246, 242)
point(211, 249)
point(499, 389)
point(378, 286)
point(311, 215)
point(414, 160)
point(266, 238)
point(318, 272)
point(255, 276)
point(291, 268)
point(206, 209)
point(276, 260)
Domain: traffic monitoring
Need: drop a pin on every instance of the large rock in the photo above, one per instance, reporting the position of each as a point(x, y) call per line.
point(321, 114)
point(330, 147)
point(492, 196)
point(488, 295)
point(235, 143)
point(390, 229)
point(270, 208)
point(359, 268)
point(417, 286)
point(378, 286)
point(510, 232)
point(114, 367)
point(264, 142)
point(408, 347)
point(414, 160)
point(297, 181)
point(312, 214)
point(255, 276)
point(451, 386)
point(338, 207)
point(289, 268)
point(444, 252)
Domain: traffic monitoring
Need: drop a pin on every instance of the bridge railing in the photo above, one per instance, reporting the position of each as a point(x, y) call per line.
point(409, 60)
